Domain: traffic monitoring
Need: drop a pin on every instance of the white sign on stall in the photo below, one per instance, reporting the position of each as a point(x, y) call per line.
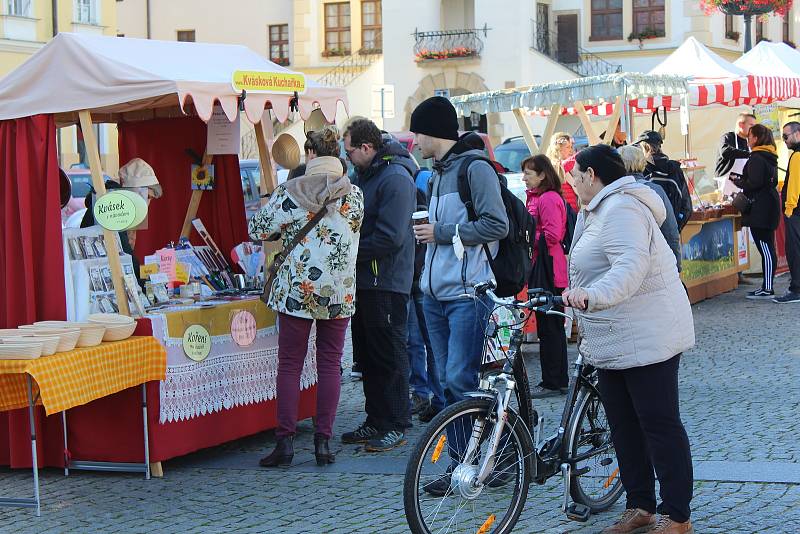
point(223, 135)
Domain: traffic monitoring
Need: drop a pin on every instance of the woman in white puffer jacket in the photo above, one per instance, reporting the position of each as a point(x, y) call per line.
point(635, 321)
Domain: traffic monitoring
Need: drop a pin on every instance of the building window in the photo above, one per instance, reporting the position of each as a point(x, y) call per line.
point(279, 44)
point(186, 36)
point(606, 20)
point(371, 25)
point(86, 12)
point(787, 29)
point(337, 29)
point(648, 18)
point(18, 8)
point(728, 25)
point(759, 29)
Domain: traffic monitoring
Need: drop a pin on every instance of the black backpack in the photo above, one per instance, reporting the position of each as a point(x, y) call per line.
point(672, 180)
point(512, 265)
point(572, 219)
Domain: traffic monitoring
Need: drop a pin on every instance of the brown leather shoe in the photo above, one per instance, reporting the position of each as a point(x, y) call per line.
point(665, 525)
point(632, 521)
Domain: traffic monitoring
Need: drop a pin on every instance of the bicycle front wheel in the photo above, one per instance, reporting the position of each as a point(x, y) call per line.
point(441, 493)
point(595, 482)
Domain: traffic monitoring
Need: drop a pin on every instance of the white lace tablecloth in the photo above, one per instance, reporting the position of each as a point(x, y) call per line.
point(230, 376)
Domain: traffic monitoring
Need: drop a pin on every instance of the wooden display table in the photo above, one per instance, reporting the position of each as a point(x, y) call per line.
point(713, 253)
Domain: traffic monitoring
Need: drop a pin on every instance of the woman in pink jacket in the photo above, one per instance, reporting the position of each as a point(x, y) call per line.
point(546, 205)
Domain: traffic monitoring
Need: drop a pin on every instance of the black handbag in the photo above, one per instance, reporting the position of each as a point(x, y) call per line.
point(742, 203)
point(542, 275)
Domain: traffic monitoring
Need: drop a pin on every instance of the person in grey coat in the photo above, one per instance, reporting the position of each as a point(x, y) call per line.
point(634, 159)
point(635, 322)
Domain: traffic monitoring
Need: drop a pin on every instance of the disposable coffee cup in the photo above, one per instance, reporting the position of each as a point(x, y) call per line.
point(419, 217)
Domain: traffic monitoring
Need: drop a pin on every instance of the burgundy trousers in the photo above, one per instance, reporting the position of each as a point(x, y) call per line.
point(293, 333)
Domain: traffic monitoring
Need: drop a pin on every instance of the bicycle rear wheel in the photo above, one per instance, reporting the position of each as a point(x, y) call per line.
point(595, 481)
point(440, 492)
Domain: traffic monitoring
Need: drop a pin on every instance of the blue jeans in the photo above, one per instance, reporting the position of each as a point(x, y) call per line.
point(424, 377)
point(456, 330)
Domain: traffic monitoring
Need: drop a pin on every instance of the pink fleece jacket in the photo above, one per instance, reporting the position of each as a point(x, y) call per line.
point(550, 215)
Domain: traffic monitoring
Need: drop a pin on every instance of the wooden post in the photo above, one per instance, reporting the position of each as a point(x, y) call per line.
point(611, 129)
point(194, 203)
point(550, 127)
point(156, 470)
point(268, 185)
point(93, 152)
point(587, 124)
point(530, 140)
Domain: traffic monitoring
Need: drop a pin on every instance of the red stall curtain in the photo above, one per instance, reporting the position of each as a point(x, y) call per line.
point(163, 143)
point(31, 251)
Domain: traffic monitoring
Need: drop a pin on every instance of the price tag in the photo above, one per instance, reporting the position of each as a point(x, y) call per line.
point(147, 270)
point(168, 261)
point(159, 278)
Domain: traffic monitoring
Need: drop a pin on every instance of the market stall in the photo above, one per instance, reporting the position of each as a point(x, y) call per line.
point(172, 102)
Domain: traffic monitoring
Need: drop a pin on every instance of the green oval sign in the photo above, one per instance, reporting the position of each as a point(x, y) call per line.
point(196, 342)
point(114, 211)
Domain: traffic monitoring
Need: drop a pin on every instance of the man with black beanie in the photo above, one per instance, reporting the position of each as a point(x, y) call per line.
point(455, 259)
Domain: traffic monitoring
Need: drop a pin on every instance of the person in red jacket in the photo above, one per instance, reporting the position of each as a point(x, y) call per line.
point(567, 191)
point(546, 206)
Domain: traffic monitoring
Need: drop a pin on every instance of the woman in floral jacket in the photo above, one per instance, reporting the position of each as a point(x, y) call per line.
point(316, 283)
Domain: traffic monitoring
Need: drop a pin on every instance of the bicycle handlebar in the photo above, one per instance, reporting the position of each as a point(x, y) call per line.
point(540, 300)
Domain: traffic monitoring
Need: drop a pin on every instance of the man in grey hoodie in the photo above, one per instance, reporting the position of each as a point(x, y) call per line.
point(455, 259)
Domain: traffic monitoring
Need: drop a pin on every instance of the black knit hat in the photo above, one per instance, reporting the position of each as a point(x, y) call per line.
point(435, 117)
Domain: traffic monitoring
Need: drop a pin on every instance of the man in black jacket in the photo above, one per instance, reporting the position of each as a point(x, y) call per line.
point(733, 145)
point(384, 271)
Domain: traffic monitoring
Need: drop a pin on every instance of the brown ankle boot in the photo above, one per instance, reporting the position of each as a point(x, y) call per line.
point(632, 521)
point(666, 525)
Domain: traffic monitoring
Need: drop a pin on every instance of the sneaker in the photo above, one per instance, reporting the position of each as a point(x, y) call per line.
point(666, 525)
point(386, 441)
point(362, 434)
point(429, 413)
point(541, 392)
point(632, 521)
point(760, 294)
point(419, 404)
point(790, 296)
point(355, 372)
point(440, 486)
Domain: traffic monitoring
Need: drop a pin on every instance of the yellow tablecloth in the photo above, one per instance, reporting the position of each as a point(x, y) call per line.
point(70, 379)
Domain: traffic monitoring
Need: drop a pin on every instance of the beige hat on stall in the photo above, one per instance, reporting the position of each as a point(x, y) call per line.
point(138, 173)
point(315, 121)
point(286, 151)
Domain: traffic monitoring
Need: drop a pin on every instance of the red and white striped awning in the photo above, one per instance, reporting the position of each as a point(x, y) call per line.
point(741, 91)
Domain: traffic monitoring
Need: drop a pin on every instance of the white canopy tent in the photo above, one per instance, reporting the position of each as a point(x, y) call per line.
point(115, 76)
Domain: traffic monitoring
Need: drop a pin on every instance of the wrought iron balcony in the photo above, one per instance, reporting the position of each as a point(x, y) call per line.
point(571, 55)
point(448, 44)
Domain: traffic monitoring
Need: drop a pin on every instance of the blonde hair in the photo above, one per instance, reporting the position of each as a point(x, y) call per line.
point(554, 153)
point(633, 157)
point(324, 142)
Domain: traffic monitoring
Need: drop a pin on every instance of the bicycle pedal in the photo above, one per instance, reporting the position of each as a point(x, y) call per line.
point(578, 512)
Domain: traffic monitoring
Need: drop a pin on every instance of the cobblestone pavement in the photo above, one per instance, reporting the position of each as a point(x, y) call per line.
point(739, 396)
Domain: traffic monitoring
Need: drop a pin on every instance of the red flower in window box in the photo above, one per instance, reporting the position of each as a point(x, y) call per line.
point(752, 7)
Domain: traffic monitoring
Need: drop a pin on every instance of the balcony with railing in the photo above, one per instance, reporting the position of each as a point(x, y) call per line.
point(568, 53)
point(445, 45)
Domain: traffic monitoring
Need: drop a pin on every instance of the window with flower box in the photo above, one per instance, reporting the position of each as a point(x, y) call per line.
point(337, 29)
point(371, 26)
point(279, 44)
point(648, 18)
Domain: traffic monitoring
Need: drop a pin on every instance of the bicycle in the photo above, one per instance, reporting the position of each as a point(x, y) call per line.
point(492, 457)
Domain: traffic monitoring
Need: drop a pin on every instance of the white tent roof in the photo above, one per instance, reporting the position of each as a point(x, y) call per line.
point(694, 60)
point(115, 75)
point(771, 59)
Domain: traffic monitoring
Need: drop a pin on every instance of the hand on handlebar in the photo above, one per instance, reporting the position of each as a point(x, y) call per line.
point(576, 298)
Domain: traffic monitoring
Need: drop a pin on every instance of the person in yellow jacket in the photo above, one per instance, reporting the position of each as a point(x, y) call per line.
point(790, 198)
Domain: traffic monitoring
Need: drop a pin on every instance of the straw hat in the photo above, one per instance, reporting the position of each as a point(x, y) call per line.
point(138, 173)
point(286, 151)
point(315, 121)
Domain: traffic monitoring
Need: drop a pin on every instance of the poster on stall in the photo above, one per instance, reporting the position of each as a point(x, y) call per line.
point(742, 240)
point(203, 178)
point(709, 253)
point(222, 133)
